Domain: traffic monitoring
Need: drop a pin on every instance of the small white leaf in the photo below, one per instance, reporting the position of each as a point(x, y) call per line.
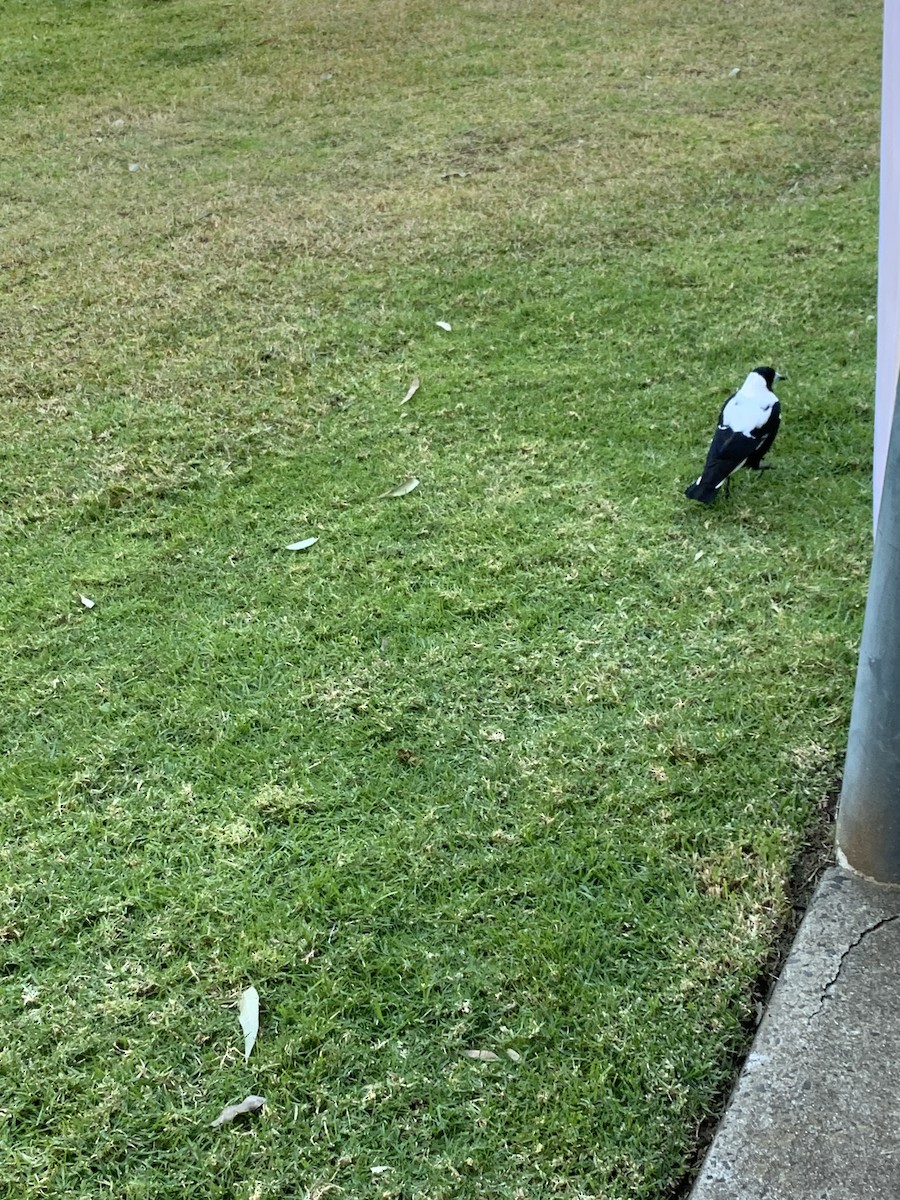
point(134, 166)
point(379, 1170)
point(514, 1055)
point(87, 602)
point(402, 489)
point(444, 325)
point(735, 71)
point(304, 545)
point(699, 555)
point(413, 388)
point(482, 1055)
point(251, 1104)
point(248, 1014)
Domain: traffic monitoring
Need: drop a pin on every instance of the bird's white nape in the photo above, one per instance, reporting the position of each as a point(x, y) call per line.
point(749, 407)
point(755, 385)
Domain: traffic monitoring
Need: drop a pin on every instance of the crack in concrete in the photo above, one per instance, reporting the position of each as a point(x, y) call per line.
point(829, 986)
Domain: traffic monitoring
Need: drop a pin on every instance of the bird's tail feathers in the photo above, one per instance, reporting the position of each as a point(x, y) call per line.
point(704, 491)
point(714, 475)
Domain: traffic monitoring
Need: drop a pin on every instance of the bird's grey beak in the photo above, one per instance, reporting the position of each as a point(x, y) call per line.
point(777, 376)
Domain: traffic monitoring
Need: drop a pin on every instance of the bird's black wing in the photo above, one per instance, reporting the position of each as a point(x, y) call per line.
point(727, 453)
point(766, 436)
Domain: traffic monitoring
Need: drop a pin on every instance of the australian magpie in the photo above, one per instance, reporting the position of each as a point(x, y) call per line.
point(744, 434)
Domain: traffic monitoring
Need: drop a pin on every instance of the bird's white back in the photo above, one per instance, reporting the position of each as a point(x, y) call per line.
point(750, 406)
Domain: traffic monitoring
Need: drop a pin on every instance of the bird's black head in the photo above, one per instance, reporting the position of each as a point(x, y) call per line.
point(769, 374)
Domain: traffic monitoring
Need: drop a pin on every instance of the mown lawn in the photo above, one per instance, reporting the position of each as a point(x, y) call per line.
point(519, 762)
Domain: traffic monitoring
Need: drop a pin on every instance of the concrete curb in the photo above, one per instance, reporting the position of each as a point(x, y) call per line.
point(814, 1115)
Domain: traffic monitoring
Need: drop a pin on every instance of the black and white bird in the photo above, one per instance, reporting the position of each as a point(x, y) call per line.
point(744, 434)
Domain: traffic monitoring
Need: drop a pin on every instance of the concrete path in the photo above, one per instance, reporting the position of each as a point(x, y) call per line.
point(816, 1111)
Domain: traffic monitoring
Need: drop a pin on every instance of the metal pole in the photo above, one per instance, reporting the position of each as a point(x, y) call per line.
point(887, 357)
point(868, 825)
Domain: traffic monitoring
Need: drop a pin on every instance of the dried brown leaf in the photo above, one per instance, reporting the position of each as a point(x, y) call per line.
point(248, 1014)
point(402, 489)
point(413, 388)
point(250, 1104)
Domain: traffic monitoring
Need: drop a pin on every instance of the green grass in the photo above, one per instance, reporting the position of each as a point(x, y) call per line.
point(520, 761)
